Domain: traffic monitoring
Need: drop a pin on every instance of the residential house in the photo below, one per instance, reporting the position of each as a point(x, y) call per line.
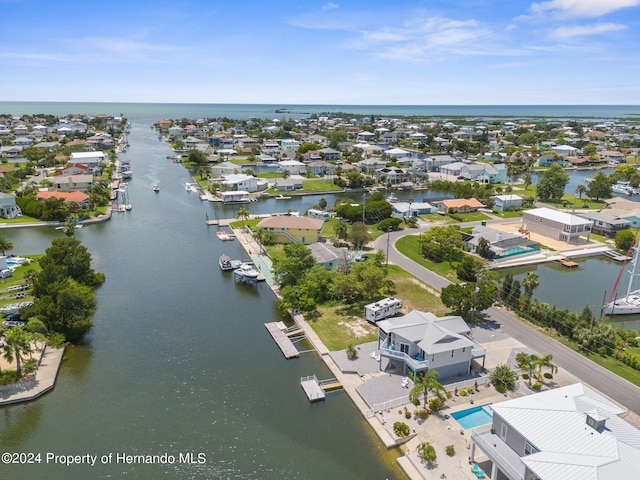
point(191, 143)
point(294, 167)
point(555, 224)
point(290, 229)
point(606, 224)
point(612, 156)
point(392, 175)
point(72, 183)
point(365, 137)
point(72, 169)
point(420, 341)
point(224, 168)
point(289, 145)
point(371, 164)
point(459, 205)
point(454, 169)
point(321, 168)
point(287, 184)
point(411, 209)
point(80, 198)
point(8, 207)
point(569, 432)
point(265, 159)
point(502, 244)
point(92, 160)
point(493, 173)
point(503, 203)
point(329, 256)
point(565, 150)
point(330, 154)
point(240, 181)
point(435, 162)
point(552, 158)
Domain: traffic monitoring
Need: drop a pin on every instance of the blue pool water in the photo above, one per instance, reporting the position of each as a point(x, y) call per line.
point(474, 417)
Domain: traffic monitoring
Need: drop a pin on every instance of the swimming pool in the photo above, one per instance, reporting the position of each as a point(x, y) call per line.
point(474, 417)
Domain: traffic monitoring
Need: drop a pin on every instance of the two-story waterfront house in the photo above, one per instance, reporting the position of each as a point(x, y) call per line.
point(555, 224)
point(420, 341)
point(565, 433)
point(290, 229)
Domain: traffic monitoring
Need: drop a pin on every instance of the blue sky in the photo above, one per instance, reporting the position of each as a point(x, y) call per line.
point(449, 52)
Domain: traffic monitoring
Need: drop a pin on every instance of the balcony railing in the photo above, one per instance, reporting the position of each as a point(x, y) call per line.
point(414, 363)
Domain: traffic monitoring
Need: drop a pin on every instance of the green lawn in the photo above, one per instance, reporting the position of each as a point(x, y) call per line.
point(437, 219)
point(319, 186)
point(508, 214)
point(340, 325)
point(408, 246)
point(471, 217)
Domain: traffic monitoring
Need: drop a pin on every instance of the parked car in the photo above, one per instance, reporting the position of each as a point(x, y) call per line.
point(6, 273)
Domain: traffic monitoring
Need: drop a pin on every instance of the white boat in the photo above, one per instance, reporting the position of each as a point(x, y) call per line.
point(156, 188)
point(224, 235)
point(225, 263)
point(246, 273)
point(630, 303)
point(623, 188)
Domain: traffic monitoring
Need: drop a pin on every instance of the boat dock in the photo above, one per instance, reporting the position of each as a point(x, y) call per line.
point(568, 263)
point(616, 256)
point(316, 389)
point(282, 340)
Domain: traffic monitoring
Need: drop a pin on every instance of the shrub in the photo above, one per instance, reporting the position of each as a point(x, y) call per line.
point(471, 390)
point(9, 376)
point(547, 375)
point(401, 429)
point(501, 388)
point(387, 223)
point(426, 452)
point(503, 376)
point(423, 414)
point(449, 394)
point(407, 414)
point(450, 449)
point(536, 386)
point(463, 392)
point(352, 353)
point(29, 365)
point(435, 403)
point(525, 376)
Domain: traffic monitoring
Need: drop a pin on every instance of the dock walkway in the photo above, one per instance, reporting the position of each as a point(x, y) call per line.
point(312, 388)
point(282, 340)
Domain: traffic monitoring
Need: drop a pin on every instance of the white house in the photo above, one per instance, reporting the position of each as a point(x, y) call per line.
point(569, 432)
point(294, 167)
point(503, 203)
point(289, 145)
point(420, 341)
point(240, 181)
point(93, 160)
point(8, 207)
point(555, 224)
point(565, 150)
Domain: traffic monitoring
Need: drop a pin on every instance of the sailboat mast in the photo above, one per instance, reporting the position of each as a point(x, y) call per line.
point(633, 272)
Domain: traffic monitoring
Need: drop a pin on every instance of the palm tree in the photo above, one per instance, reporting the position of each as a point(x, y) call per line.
point(30, 276)
point(16, 345)
point(530, 282)
point(203, 170)
point(5, 245)
point(546, 362)
point(243, 214)
point(528, 362)
point(581, 190)
point(428, 383)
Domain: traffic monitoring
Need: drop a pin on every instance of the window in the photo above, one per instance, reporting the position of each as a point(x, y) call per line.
point(503, 431)
point(529, 449)
point(404, 348)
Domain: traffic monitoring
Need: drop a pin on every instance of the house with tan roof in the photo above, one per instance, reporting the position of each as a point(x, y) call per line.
point(80, 198)
point(291, 229)
point(459, 205)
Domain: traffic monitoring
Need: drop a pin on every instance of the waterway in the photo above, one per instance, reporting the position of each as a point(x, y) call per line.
point(179, 360)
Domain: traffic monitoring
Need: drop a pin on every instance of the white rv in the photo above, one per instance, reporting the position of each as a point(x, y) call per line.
point(381, 309)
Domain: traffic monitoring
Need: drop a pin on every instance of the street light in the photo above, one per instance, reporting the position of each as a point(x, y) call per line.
point(475, 299)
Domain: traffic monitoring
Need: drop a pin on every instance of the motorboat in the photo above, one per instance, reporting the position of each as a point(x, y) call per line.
point(630, 303)
point(246, 273)
point(623, 188)
point(156, 188)
point(225, 263)
point(224, 235)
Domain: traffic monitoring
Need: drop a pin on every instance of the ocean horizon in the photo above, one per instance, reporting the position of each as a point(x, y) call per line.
point(153, 112)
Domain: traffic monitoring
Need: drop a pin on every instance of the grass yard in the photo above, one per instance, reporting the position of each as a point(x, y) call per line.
point(408, 246)
point(340, 325)
point(471, 217)
point(437, 219)
point(319, 186)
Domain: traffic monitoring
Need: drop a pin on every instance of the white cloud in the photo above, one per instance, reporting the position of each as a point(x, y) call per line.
point(584, 30)
point(582, 8)
point(330, 6)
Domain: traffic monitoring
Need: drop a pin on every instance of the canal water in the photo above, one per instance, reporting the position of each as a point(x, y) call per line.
point(179, 361)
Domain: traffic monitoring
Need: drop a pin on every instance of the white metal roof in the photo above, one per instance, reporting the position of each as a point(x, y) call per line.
point(557, 216)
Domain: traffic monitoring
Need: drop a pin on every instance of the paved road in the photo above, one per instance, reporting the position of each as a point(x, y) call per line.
point(610, 384)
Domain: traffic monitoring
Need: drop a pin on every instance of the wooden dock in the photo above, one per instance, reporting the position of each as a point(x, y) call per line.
point(288, 348)
point(568, 263)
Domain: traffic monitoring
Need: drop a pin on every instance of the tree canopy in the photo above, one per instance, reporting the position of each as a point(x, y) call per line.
point(552, 183)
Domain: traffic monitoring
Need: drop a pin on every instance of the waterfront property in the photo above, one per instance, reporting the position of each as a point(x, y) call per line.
point(567, 432)
point(329, 256)
point(606, 224)
point(8, 206)
point(555, 224)
point(473, 417)
point(291, 229)
point(503, 203)
point(420, 341)
point(502, 244)
point(460, 205)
